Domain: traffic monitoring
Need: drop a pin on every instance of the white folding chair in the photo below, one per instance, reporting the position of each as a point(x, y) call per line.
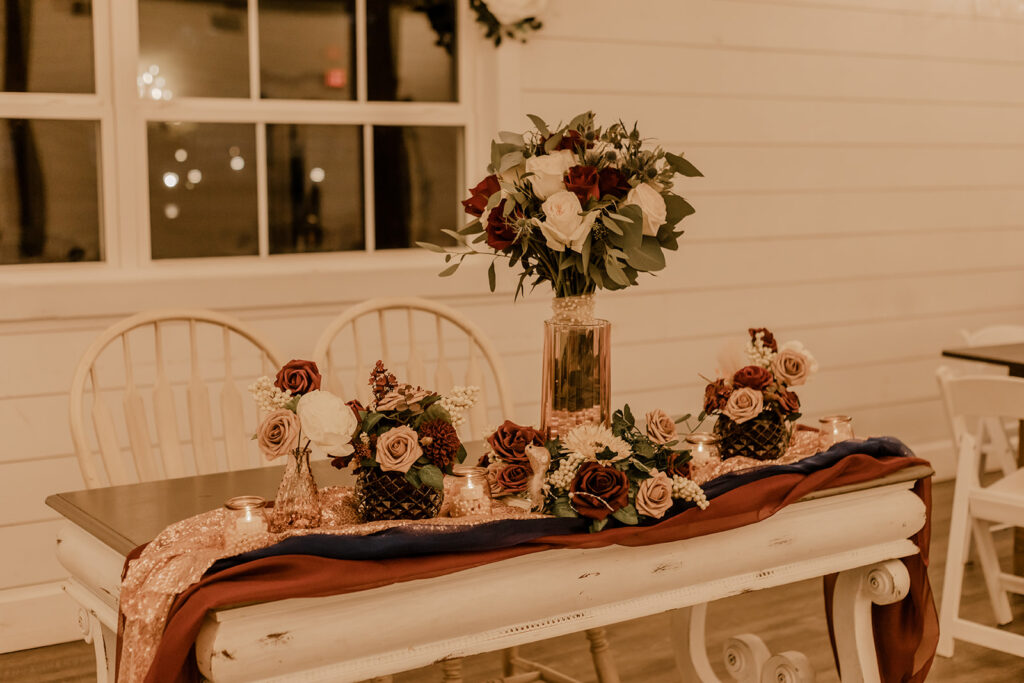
point(976, 508)
point(994, 335)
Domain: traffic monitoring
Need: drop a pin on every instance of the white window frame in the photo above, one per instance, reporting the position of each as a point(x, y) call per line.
point(124, 167)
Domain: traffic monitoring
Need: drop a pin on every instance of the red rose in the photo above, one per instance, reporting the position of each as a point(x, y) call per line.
point(479, 195)
point(611, 181)
point(571, 140)
point(678, 465)
point(299, 377)
point(356, 407)
point(767, 338)
point(716, 395)
point(500, 234)
point(599, 490)
point(582, 181)
point(509, 441)
point(514, 478)
point(752, 376)
point(788, 401)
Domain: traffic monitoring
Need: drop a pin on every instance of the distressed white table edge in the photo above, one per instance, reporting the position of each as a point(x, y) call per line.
point(403, 626)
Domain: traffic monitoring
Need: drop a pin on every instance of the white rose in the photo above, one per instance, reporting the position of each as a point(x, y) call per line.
point(812, 364)
point(563, 225)
point(327, 422)
point(652, 206)
point(549, 171)
point(511, 12)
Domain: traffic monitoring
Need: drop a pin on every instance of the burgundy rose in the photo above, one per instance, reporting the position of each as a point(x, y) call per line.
point(299, 377)
point(356, 407)
point(610, 180)
point(752, 376)
point(767, 338)
point(514, 478)
point(716, 395)
point(678, 465)
point(479, 195)
point(500, 234)
point(509, 441)
point(599, 490)
point(571, 140)
point(788, 401)
point(582, 182)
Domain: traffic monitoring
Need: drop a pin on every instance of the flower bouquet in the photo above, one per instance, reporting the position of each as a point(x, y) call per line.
point(622, 473)
point(756, 409)
point(581, 208)
point(406, 442)
point(300, 417)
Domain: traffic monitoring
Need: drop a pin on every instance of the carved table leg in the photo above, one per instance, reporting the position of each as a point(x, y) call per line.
point(104, 643)
point(451, 670)
point(604, 660)
point(508, 657)
point(856, 590)
point(690, 645)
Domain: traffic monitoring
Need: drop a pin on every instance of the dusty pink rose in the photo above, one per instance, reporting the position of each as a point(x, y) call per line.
point(404, 397)
point(660, 427)
point(278, 434)
point(791, 367)
point(398, 448)
point(744, 404)
point(654, 496)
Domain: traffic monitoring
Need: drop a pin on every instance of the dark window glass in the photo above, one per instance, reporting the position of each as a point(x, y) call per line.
point(307, 49)
point(411, 50)
point(46, 46)
point(49, 191)
point(194, 48)
point(202, 189)
point(315, 188)
point(417, 183)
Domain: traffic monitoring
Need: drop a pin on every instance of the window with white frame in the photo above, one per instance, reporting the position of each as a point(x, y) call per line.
point(139, 131)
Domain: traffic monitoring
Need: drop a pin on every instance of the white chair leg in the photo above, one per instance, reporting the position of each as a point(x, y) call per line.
point(956, 557)
point(991, 571)
point(604, 660)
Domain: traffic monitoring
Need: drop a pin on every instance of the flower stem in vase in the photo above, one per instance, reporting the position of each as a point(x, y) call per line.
point(297, 505)
point(576, 382)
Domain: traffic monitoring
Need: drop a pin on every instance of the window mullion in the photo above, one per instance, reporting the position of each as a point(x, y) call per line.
point(110, 245)
point(362, 89)
point(262, 203)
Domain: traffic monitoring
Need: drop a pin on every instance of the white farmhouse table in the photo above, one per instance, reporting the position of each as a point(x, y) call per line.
point(859, 531)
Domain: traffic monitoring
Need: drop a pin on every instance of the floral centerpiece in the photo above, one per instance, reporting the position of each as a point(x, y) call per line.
point(406, 441)
point(513, 19)
point(622, 472)
point(752, 396)
point(581, 208)
point(300, 417)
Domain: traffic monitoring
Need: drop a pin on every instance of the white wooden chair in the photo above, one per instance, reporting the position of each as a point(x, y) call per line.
point(172, 358)
point(421, 333)
point(976, 509)
point(350, 347)
point(993, 335)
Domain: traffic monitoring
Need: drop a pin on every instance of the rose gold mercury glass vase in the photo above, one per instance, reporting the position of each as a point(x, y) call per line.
point(576, 381)
point(297, 505)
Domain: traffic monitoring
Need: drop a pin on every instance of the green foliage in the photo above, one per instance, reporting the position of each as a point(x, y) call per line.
point(432, 476)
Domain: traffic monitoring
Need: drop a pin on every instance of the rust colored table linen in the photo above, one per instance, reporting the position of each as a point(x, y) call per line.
point(906, 632)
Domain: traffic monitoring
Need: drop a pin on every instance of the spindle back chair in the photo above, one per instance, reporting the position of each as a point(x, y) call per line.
point(173, 358)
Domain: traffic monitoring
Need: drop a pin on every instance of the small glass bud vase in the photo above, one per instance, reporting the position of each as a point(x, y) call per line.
point(297, 505)
point(470, 492)
point(703, 449)
point(833, 429)
point(246, 520)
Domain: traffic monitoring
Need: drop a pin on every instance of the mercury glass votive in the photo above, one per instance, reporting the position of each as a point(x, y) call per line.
point(246, 519)
point(703, 449)
point(470, 492)
point(833, 429)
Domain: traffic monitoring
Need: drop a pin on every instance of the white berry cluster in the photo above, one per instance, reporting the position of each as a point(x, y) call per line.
point(563, 476)
point(267, 396)
point(687, 489)
point(458, 401)
point(758, 353)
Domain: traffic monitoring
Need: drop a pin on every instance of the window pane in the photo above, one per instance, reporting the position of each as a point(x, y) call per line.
point(202, 189)
point(315, 188)
point(193, 48)
point(410, 47)
point(49, 191)
point(417, 179)
point(46, 46)
point(307, 49)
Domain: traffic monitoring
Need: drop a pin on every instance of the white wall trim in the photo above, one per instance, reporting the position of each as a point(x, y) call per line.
point(34, 616)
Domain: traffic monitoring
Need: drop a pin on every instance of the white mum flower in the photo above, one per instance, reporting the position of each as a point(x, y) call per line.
point(589, 440)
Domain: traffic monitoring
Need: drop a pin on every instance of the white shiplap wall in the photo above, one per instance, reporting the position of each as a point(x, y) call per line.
point(864, 194)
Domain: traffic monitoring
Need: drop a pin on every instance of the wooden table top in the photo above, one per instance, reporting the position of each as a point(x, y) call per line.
point(1010, 355)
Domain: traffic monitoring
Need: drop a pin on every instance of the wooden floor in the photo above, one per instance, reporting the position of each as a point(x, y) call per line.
point(788, 618)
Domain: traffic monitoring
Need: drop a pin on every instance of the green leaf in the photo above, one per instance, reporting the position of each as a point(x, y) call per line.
point(413, 478)
point(580, 120)
point(538, 122)
point(451, 233)
point(460, 455)
point(612, 226)
point(614, 271)
point(682, 166)
point(585, 255)
point(563, 509)
point(552, 142)
point(598, 524)
point(432, 477)
point(649, 257)
point(676, 208)
point(450, 270)
point(627, 515)
point(684, 418)
point(491, 277)
point(432, 247)
point(511, 138)
point(510, 160)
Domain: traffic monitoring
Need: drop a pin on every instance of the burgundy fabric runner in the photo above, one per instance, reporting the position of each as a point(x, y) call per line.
point(906, 633)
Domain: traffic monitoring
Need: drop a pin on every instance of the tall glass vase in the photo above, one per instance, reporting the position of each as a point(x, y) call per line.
point(576, 381)
point(297, 505)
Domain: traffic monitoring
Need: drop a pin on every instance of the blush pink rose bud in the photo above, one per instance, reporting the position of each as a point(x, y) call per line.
point(744, 404)
point(654, 496)
point(278, 434)
point(791, 367)
point(397, 449)
point(660, 427)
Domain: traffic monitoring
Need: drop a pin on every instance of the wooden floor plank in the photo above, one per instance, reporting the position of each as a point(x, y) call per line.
point(788, 618)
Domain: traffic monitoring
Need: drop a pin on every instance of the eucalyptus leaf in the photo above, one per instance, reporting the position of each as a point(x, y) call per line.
point(649, 257)
point(627, 515)
point(511, 138)
point(598, 524)
point(682, 166)
point(432, 247)
point(538, 122)
point(450, 270)
point(552, 142)
point(432, 477)
point(491, 277)
point(510, 160)
point(413, 478)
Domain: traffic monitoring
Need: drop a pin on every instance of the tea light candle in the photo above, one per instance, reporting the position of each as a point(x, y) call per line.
point(833, 429)
point(471, 492)
point(703, 449)
point(246, 519)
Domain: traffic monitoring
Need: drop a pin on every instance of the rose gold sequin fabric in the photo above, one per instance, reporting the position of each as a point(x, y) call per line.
point(182, 553)
point(803, 445)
